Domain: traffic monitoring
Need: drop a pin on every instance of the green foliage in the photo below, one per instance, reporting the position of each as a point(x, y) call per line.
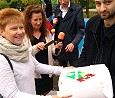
point(3, 4)
point(21, 4)
point(29, 2)
point(54, 1)
point(13, 1)
point(82, 3)
point(92, 5)
point(8, 1)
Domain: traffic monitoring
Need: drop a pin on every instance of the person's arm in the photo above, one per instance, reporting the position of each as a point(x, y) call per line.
point(32, 49)
point(82, 61)
point(53, 47)
point(8, 85)
point(46, 69)
point(49, 26)
point(80, 26)
point(25, 95)
point(80, 29)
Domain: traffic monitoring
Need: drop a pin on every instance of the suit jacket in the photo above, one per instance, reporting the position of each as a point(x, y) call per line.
point(72, 25)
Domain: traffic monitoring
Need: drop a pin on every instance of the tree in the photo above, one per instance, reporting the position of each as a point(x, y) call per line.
point(3, 4)
point(54, 1)
point(13, 3)
point(29, 2)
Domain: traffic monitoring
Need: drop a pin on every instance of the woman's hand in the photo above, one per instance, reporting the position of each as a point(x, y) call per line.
point(40, 45)
point(64, 96)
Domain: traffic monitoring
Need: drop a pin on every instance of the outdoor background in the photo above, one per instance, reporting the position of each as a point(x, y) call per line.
point(87, 5)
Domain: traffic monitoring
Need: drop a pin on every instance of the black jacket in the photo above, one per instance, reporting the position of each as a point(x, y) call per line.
point(91, 46)
point(48, 8)
point(72, 25)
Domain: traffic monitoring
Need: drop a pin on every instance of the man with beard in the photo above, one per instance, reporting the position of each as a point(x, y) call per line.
point(99, 45)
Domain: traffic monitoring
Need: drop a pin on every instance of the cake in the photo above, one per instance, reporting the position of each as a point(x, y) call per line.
point(86, 82)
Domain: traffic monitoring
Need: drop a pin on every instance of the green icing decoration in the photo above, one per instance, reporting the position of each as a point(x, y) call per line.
point(81, 74)
point(71, 75)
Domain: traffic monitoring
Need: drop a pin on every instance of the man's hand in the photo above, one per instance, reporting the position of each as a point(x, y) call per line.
point(55, 21)
point(59, 45)
point(69, 47)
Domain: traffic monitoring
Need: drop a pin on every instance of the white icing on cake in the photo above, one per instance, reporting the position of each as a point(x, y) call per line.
point(86, 82)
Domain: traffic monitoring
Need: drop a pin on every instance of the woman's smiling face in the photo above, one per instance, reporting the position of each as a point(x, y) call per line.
point(14, 32)
point(36, 20)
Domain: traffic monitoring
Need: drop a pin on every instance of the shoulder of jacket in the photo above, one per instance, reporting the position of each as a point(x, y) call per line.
point(75, 7)
point(49, 35)
point(94, 23)
point(2, 57)
point(4, 60)
point(94, 20)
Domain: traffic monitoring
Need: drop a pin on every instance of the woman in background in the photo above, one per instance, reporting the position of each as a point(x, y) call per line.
point(39, 35)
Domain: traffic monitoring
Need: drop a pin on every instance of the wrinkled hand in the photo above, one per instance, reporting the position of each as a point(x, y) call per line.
point(64, 96)
point(55, 21)
point(69, 47)
point(59, 45)
point(40, 45)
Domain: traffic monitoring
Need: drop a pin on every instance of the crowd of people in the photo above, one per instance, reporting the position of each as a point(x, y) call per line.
point(23, 39)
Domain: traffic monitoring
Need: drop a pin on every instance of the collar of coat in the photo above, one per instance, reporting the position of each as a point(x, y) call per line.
point(71, 11)
point(71, 8)
point(96, 24)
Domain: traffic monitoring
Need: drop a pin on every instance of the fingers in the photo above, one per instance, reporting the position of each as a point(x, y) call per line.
point(59, 45)
point(40, 45)
point(55, 21)
point(69, 47)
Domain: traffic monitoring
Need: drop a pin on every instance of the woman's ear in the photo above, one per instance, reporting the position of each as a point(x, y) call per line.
point(2, 33)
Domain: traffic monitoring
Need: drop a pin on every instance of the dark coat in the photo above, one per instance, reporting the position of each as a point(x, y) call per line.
point(91, 46)
point(73, 27)
point(48, 8)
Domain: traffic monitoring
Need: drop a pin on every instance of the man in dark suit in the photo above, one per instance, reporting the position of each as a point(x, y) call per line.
point(69, 19)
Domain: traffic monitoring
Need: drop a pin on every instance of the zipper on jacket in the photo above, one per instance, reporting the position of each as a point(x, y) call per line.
point(97, 48)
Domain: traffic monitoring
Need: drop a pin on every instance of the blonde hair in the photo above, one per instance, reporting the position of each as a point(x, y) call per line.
point(9, 15)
